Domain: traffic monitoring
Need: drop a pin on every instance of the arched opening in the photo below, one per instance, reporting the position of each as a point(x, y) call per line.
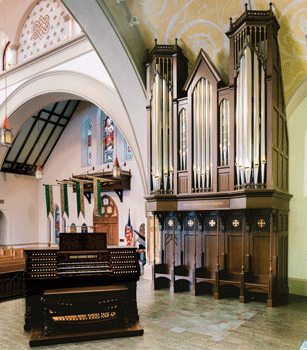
point(108, 221)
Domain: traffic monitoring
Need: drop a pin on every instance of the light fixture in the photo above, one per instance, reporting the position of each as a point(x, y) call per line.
point(39, 172)
point(6, 133)
point(116, 169)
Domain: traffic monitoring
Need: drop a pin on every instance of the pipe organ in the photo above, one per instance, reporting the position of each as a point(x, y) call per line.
point(218, 166)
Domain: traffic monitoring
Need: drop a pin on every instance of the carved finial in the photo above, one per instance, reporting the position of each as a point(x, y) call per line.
point(230, 21)
point(246, 8)
point(156, 40)
point(271, 8)
point(176, 40)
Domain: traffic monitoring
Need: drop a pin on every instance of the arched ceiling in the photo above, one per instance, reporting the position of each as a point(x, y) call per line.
point(196, 24)
point(202, 24)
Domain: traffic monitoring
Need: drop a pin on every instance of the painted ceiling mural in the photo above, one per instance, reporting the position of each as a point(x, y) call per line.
point(203, 23)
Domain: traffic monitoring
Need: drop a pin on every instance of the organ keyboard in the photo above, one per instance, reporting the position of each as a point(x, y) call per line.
point(93, 267)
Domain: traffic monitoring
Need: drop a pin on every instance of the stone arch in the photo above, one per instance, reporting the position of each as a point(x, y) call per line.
point(54, 86)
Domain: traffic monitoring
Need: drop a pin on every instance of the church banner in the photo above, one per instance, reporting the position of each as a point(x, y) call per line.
point(97, 198)
point(49, 199)
point(80, 198)
point(64, 200)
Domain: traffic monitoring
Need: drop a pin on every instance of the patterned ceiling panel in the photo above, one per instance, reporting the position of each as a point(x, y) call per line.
point(202, 24)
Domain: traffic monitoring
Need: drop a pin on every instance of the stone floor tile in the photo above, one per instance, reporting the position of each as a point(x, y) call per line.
point(180, 321)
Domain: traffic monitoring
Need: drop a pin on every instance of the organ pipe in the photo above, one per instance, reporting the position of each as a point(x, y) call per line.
point(183, 139)
point(250, 108)
point(263, 127)
point(162, 131)
point(170, 138)
point(224, 132)
point(202, 136)
point(256, 118)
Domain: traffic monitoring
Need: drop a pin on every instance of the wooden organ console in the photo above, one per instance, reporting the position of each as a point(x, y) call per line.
point(84, 294)
point(218, 169)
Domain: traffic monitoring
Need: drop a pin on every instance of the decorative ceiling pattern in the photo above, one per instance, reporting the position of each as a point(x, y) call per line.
point(43, 29)
point(203, 24)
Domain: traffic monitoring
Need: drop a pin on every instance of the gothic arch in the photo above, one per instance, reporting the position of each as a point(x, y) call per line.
point(55, 86)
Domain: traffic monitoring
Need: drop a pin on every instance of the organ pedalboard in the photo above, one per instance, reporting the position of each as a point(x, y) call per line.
point(52, 264)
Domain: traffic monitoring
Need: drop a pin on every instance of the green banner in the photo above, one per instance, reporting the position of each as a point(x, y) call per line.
point(66, 200)
point(49, 200)
point(78, 197)
point(97, 197)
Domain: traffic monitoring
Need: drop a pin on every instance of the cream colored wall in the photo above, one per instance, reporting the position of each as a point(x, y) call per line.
point(65, 160)
point(19, 226)
point(298, 205)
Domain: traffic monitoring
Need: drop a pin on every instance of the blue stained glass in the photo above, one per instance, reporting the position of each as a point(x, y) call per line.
point(57, 224)
point(84, 228)
point(129, 154)
point(89, 141)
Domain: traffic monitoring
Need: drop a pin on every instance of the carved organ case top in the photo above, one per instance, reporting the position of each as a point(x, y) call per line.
point(207, 137)
point(219, 153)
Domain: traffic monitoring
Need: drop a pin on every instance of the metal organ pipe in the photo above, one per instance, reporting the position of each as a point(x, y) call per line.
point(183, 139)
point(162, 131)
point(165, 132)
point(224, 132)
point(250, 109)
point(202, 136)
point(170, 137)
point(256, 118)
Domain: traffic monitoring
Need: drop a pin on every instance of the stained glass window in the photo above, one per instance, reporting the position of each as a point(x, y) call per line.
point(7, 57)
point(57, 224)
point(129, 154)
point(108, 140)
point(73, 228)
point(89, 141)
point(84, 228)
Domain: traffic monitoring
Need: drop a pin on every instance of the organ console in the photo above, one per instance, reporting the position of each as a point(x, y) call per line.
point(73, 291)
point(218, 166)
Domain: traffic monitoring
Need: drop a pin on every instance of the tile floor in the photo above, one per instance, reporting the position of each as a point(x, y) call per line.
point(180, 321)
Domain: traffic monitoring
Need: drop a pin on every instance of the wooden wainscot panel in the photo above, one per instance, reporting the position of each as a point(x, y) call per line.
point(211, 204)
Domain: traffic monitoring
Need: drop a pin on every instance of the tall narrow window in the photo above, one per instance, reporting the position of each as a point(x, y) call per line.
point(7, 57)
point(224, 132)
point(57, 224)
point(89, 141)
point(108, 140)
point(183, 140)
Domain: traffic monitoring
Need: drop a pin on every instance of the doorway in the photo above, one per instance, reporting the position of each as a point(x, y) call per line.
point(108, 221)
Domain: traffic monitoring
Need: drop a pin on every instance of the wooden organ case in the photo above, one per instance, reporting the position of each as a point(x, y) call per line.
point(218, 169)
point(82, 291)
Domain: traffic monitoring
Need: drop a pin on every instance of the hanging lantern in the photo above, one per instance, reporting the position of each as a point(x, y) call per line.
point(116, 169)
point(6, 134)
point(39, 172)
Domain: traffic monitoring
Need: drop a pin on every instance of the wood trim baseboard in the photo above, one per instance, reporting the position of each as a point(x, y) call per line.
point(297, 286)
